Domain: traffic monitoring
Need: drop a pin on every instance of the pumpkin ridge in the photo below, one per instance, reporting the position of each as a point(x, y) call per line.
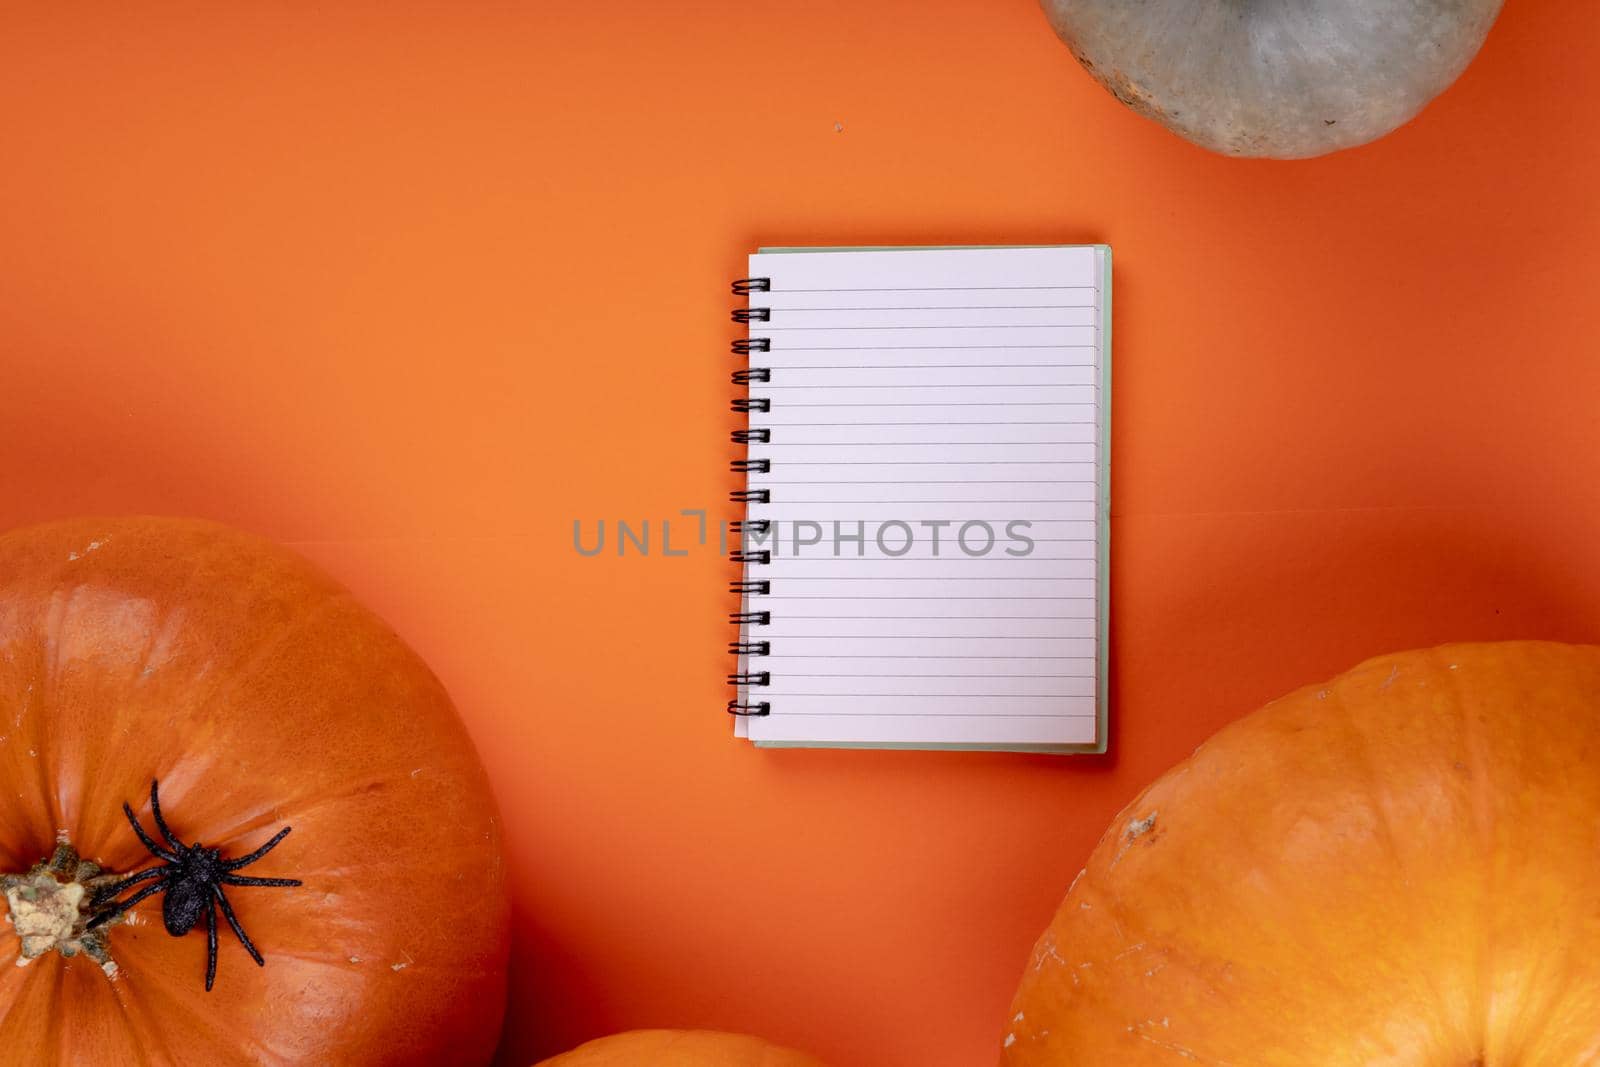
point(248, 670)
point(100, 749)
point(141, 1037)
point(9, 859)
point(1478, 758)
point(147, 999)
point(1530, 1023)
point(36, 734)
point(1374, 787)
point(1099, 893)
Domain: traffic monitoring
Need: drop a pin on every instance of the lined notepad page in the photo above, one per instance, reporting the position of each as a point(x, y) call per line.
point(938, 515)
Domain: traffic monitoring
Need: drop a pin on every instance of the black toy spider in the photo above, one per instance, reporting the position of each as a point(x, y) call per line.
point(192, 877)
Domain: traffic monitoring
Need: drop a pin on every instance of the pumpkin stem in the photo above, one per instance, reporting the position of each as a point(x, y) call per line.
point(51, 905)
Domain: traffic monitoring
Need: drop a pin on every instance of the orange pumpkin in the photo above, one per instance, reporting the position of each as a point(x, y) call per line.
point(1400, 866)
point(679, 1048)
point(262, 696)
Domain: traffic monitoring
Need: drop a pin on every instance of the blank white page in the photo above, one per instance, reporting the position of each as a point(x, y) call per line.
point(927, 513)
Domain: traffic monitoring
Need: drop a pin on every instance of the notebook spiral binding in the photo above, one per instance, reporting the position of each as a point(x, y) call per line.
point(747, 647)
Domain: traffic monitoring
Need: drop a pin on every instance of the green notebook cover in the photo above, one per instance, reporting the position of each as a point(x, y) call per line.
point(1102, 525)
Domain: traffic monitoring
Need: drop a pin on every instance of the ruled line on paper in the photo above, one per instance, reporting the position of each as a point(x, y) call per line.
point(929, 366)
point(1060, 423)
point(942, 656)
point(938, 404)
point(765, 386)
point(939, 289)
point(876, 714)
point(1044, 500)
point(940, 307)
point(770, 328)
point(919, 348)
point(924, 481)
point(918, 463)
point(890, 444)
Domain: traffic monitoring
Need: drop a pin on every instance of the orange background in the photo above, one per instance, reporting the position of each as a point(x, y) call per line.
point(414, 287)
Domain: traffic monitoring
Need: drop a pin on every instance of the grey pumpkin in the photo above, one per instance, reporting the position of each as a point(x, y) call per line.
point(1284, 79)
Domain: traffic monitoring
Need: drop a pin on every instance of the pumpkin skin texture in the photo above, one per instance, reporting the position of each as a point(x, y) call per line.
point(1284, 79)
point(680, 1048)
point(261, 695)
point(1399, 867)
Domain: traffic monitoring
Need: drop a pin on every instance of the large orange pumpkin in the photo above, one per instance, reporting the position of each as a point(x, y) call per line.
point(680, 1048)
point(262, 696)
point(1398, 867)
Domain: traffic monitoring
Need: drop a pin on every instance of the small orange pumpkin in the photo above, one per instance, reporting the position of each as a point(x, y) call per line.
point(680, 1048)
point(1400, 866)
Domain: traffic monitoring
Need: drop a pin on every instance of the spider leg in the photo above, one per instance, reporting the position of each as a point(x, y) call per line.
point(105, 893)
point(144, 838)
point(240, 879)
point(161, 824)
point(233, 921)
point(107, 916)
point(211, 946)
point(245, 861)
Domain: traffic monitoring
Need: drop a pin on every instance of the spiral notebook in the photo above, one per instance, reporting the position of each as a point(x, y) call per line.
point(926, 494)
